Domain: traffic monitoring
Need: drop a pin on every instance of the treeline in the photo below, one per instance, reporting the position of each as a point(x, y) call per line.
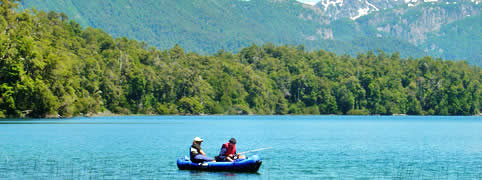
point(50, 66)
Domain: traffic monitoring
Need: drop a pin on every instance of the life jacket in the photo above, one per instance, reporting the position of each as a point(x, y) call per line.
point(229, 149)
point(193, 151)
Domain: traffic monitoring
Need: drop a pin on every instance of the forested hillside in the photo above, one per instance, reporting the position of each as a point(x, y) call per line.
point(203, 26)
point(207, 26)
point(50, 66)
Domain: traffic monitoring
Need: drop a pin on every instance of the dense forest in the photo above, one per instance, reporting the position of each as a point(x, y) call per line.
point(50, 66)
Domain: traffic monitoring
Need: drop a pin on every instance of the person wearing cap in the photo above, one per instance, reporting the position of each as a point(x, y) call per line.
point(228, 152)
point(196, 153)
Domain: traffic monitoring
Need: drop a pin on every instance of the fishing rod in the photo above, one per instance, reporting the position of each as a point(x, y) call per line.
point(255, 150)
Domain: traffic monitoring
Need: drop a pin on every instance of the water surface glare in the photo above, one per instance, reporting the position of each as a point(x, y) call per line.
point(146, 147)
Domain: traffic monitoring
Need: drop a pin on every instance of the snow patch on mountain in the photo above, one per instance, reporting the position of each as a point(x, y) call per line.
point(415, 1)
point(309, 2)
point(361, 12)
point(328, 3)
point(368, 7)
point(354, 9)
point(371, 5)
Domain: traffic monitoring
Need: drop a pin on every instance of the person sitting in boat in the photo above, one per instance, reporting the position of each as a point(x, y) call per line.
point(197, 154)
point(228, 152)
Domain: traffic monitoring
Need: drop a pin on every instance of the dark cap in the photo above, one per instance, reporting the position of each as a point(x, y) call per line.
point(232, 141)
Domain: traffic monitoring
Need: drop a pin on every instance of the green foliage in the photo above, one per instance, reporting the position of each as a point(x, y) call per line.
point(190, 106)
point(203, 26)
point(345, 99)
point(358, 112)
point(207, 26)
point(50, 67)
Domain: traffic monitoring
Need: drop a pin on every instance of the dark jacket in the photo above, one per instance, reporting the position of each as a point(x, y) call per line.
point(194, 150)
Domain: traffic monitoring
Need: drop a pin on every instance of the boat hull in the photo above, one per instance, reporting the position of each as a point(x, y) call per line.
point(251, 164)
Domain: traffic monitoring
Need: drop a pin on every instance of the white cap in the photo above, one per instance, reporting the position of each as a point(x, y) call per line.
point(198, 139)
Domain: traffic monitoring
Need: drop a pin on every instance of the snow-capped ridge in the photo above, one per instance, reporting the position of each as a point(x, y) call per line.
point(354, 9)
point(328, 3)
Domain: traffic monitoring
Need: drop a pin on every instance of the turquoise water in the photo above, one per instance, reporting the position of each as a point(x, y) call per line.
point(341, 147)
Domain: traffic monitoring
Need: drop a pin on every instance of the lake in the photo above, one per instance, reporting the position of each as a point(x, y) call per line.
point(338, 147)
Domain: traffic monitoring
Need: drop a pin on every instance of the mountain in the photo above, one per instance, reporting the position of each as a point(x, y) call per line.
point(52, 67)
point(412, 27)
point(430, 25)
point(353, 9)
point(445, 28)
point(457, 40)
point(198, 25)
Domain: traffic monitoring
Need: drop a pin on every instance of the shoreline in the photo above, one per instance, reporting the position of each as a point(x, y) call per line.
point(110, 114)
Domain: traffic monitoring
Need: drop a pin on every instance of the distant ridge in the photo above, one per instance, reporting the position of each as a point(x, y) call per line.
point(341, 26)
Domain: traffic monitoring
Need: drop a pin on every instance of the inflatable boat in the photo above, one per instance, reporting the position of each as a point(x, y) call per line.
point(250, 164)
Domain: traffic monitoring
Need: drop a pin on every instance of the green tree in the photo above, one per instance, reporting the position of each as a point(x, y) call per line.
point(189, 105)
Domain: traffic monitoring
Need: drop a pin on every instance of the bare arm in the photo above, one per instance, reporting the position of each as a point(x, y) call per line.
point(202, 152)
point(229, 158)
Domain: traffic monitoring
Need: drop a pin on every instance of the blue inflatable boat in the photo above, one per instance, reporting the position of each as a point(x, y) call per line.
point(251, 164)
